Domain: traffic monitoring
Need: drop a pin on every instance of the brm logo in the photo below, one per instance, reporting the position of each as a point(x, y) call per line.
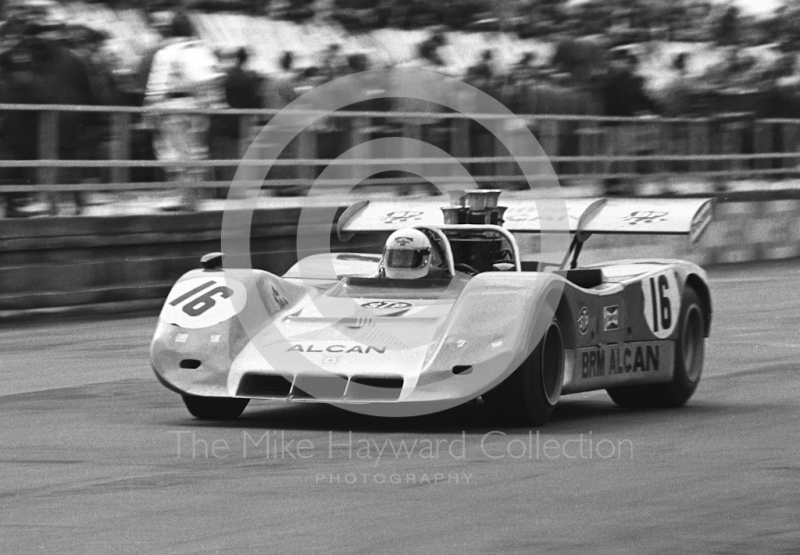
point(390, 305)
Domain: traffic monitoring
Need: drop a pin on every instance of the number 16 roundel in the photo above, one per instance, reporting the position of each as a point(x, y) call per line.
point(203, 302)
point(662, 303)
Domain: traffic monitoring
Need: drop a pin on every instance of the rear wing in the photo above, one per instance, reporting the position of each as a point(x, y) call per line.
point(651, 216)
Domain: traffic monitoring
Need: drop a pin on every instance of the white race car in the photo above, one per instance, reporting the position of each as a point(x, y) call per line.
point(481, 322)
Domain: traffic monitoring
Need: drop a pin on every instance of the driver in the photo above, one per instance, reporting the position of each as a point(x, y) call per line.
point(407, 255)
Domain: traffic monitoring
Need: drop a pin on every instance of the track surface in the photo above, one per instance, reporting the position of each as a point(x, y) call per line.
point(90, 460)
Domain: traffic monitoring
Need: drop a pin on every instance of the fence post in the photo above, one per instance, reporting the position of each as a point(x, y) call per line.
point(547, 134)
point(307, 150)
point(459, 137)
point(699, 138)
point(359, 133)
point(762, 143)
point(791, 136)
point(412, 130)
point(246, 125)
point(48, 150)
point(120, 145)
point(588, 145)
point(460, 144)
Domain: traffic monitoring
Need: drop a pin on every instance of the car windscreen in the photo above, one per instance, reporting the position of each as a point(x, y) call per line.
point(360, 288)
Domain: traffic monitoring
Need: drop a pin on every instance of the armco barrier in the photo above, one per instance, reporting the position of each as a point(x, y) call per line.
point(81, 265)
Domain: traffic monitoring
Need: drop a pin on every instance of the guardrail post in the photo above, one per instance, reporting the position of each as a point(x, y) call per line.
point(120, 145)
point(48, 150)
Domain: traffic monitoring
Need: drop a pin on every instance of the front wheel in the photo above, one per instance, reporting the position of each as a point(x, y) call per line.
point(689, 356)
point(529, 395)
point(215, 408)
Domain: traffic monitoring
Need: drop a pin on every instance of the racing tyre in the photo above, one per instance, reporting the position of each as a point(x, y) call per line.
point(215, 408)
point(527, 397)
point(689, 355)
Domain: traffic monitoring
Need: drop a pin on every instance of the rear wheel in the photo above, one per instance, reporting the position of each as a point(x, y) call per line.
point(689, 356)
point(215, 408)
point(527, 397)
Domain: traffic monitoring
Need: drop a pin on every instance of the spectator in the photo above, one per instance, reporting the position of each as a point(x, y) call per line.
point(524, 68)
point(242, 88)
point(279, 88)
point(183, 76)
point(675, 97)
point(333, 63)
point(243, 85)
point(483, 69)
point(623, 95)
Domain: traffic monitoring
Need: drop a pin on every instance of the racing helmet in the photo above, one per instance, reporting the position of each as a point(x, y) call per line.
point(407, 254)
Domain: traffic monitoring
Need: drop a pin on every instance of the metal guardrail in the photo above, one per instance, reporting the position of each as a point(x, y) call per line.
point(578, 146)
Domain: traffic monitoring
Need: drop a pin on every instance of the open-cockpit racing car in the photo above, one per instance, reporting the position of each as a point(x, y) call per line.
point(450, 311)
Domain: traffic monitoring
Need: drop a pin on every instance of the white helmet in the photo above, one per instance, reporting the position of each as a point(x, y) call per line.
point(407, 254)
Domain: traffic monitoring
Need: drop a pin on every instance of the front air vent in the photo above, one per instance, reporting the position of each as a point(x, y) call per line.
point(375, 388)
point(269, 386)
point(190, 363)
point(329, 387)
point(462, 370)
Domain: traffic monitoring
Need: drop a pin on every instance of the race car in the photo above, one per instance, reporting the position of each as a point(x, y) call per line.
point(451, 311)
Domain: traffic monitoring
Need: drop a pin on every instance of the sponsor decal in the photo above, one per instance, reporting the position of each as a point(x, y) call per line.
point(401, 217)
point(386, 305)
point(609, 360)
point(403, 241)
point(583, 321)
point(203, 302)
point(645, 217)
point(345, 349)
point(611, 318)
point(662, 303)
point(460, 343)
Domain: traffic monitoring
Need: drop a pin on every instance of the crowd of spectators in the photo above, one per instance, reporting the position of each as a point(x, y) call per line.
point(596, 68)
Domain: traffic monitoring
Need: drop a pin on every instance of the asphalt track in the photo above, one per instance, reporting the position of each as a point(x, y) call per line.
point(90, 461)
